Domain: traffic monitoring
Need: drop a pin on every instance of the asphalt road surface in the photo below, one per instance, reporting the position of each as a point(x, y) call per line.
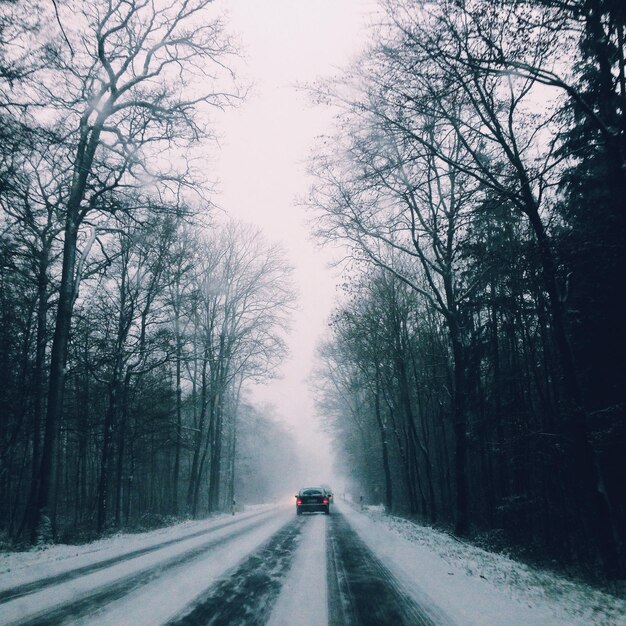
point(267, 567)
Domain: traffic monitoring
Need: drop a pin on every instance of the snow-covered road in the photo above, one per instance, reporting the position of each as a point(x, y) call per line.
point(267, 566)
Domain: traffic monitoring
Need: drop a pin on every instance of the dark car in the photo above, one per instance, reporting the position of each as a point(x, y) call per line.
point(329, 492)
point(312, 499)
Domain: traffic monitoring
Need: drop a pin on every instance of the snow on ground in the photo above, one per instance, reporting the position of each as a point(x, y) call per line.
point(168, 596)
point(165, 597)
point(303, 599)
point(476, 587)
point(17, 568)
point(470, 585)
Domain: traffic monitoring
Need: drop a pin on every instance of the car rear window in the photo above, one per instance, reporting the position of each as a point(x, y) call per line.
point(311, 492)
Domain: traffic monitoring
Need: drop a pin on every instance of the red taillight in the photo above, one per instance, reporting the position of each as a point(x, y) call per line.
point(298, 501)
point(325, 501)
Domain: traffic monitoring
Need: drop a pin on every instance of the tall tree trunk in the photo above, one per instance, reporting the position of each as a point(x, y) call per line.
point(208, 445)
point(56, 385)
point(85, 152)
point(233, 465)
point(110, 420)
point(384, 449)
point(194, 477)
point(38, 387)
point(179, 421)
point(216, 458)
point(121, 441)
point(460, 429)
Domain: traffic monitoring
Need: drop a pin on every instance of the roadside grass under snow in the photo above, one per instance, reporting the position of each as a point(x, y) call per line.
point(17, 568)
point(568, 602)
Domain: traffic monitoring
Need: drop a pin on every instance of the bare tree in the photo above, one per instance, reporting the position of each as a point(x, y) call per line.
point(508, 128)
point(407, 209)
point(244, 295)
point(30, 204)
point(124, 92)
point(181, 276)
point(458, 110)
point(134, 288)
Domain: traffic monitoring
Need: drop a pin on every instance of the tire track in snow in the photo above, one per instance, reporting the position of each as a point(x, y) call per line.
point(18, 591)
point(246, 594)
point(361, 590)
point(95, 598)
point(303, 599)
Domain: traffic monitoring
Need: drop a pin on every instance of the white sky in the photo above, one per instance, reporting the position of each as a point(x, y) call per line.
point(261, 166)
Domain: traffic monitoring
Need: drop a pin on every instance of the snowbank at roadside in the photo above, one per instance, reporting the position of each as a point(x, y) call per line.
point(477, 587)
point(17, 568)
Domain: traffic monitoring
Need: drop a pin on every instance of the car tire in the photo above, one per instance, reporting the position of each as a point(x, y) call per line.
point(298, 512)
point(327, 511)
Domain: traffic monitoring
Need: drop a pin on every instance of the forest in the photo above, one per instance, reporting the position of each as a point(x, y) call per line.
point(132, 312)
point(474, 377)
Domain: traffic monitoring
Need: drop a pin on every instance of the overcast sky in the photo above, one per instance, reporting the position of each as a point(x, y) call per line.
point(261, 167)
